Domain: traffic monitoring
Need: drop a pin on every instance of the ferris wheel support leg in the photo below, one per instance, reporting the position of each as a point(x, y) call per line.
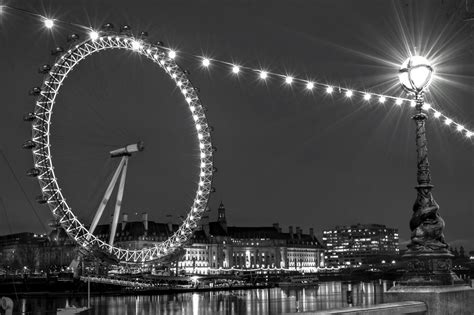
point(118, 204)
point(107, 194)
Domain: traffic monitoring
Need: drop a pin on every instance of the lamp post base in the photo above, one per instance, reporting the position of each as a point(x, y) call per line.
point(429, 268)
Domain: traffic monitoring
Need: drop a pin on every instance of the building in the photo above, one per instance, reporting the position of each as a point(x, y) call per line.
point(213, 248)
point(360, 244)
point(217, 248)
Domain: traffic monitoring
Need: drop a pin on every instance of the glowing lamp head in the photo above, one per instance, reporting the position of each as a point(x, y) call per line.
point(415, 74)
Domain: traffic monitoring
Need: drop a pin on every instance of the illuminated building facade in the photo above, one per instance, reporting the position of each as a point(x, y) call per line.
point(218, 248)
point(360, 244)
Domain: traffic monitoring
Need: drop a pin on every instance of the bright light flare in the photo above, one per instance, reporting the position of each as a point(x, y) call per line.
point(367, 96)
point(263, 75)
point(349, 93)
point(48, 23)
point(448, 121)
point(136, 45)
point(437, 114)
point(288, 79)
point(399, 101)
point(459, 128)
point(235, 69)
point(426, 106)
point(172, 54)
point(329, 89)
point(310, 85)
point(93, 35)
point(382, 99)
point(206, 62)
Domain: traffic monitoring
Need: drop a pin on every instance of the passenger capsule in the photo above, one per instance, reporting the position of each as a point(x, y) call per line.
point(29, 117)
point(73, 37)
point(44, 69)
point(41, 199)
point(125, 29)
point(29, 144)
point(33, 172)
point(35, 91)
point(107, 27)
point(56, 51)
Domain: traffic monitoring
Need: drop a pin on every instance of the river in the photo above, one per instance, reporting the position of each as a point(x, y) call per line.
point(328, 295)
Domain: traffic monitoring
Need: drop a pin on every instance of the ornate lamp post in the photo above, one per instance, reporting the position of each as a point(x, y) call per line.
point(429, 260)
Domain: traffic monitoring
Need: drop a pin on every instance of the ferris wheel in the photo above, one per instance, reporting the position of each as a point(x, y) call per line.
point(40, 144)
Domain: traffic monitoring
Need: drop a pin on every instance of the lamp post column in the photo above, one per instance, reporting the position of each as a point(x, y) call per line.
point(428, 258)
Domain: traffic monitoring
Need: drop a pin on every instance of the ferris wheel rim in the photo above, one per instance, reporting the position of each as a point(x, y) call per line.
point(42, 157)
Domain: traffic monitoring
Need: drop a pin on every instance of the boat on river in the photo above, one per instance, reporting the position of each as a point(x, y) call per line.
point(299, 281)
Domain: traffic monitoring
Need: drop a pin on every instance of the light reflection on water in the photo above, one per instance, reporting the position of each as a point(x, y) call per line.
point(328, 295)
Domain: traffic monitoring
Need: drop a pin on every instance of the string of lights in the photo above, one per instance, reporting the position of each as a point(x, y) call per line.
point(263, 74)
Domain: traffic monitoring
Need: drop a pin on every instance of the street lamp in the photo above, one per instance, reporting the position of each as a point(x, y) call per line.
point(429, 260)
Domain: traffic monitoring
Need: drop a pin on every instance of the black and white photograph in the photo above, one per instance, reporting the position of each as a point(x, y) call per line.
point(237, 157)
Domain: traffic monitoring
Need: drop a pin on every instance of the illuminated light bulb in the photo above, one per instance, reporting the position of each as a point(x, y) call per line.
point(48, 23)
point(174, 75)
point(329, 89)
point(206, 62)
point(288, 80)
point(412, 103)
point(448, 121)
point(310, 85)
point(184, 91)
point(148, 51)
point(348, 93)
point(200, 136)
point(188, 99)
point(199, 192)
point(162, 61)
point(201, 145)
point(203, 155)
point(179, 83)
point(155, 56)
point(195, 117)
point(136, 45)
point(203, 164)
point(202, 174)
point(235, 69)
point(198, 127)
point(460, 128)
point(191, 217)
point(93, 35)
point(468, 134)
point(382, 99)
point(172, 54)
point(399, 101)
point(263, 75)
point(437, 114)
point(426, 106)
point(367, 97)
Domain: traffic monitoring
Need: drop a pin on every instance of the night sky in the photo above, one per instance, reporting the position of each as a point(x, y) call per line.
point(284, 155)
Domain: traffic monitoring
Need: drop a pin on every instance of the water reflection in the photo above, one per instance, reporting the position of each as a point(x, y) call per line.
point(328, 295)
